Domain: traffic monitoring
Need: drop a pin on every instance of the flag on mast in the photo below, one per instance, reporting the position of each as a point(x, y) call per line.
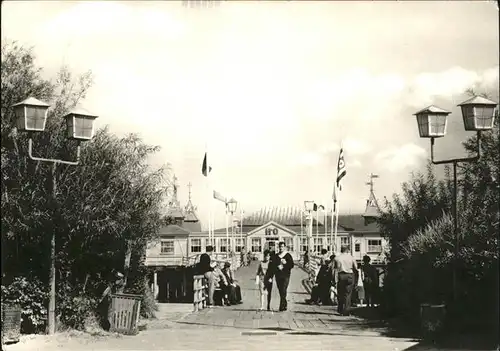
point(205, 168)
point(341, 168)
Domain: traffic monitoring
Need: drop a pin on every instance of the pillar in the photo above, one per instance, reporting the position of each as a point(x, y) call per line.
point(155, 285)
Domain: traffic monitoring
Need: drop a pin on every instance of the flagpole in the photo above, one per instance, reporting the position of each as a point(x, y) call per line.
point(336, 217)
point(227, 232)
point(241, 229)
point(325, 221)
point(209, 195)
point(332, 219)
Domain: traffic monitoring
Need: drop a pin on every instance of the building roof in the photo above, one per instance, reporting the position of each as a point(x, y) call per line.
point(194, 226)
point(372, 208)
point(286, 216)
point(173, 229)
point(355, 223)
point(432, 109)
point(478, 100)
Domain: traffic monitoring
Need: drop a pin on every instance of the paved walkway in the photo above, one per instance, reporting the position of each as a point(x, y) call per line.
point(240, 327)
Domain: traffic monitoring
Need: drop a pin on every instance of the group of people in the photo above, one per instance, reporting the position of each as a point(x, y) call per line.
point(339, 277)
point(220, 278)
point(278, 266)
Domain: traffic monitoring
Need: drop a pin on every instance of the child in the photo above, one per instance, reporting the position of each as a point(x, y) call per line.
point(262, 280)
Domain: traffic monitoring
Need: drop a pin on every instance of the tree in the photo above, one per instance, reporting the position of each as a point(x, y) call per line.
point(114, 197)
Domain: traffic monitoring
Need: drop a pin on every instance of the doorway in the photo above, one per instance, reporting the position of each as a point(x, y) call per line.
point(272, 243)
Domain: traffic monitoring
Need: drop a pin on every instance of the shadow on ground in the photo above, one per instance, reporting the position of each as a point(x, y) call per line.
point(392, 328)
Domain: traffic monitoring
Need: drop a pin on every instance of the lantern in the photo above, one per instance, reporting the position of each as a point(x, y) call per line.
point(232, 205)
point(80, 124)
point(478, 113)
point(309, 205)
point(31, 115)
point(432, 122)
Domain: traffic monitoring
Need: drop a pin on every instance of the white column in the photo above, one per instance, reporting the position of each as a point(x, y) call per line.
point(310, 233)
point(155, 285)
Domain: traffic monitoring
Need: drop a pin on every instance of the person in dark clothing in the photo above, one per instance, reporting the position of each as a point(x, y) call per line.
point(281, 267)
point(321, 290)
point(233, 287)
point(104, 306)
point(206, 268)
point(371, 280)
point(306, 258)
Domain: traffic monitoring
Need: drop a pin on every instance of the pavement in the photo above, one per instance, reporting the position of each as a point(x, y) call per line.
point(238, 327)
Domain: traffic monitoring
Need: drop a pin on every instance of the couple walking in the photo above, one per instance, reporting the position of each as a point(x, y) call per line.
point(278, 265)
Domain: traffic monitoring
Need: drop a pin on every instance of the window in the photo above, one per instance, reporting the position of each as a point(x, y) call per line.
point(329, 243)
point(303, 244)
point(318, 244)
point(345, 240)
point(239, 244)
point(223, 245)
point(167, 247)
point(209, 242)
point(195, 245)
point(256, 245)
point(375, 245)
point(289, 243)
point(357, 247)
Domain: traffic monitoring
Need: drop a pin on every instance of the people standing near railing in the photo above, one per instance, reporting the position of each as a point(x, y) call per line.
point(345, 267)
point(222, 283)
point(207, 269)
point(281, 267)
point(306, 258)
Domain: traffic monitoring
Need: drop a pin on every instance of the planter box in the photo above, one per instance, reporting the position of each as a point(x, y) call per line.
point(432, 318)
point(11, 326)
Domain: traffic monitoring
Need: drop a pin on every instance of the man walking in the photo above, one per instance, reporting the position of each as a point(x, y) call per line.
point(281, 268)
point(207, 269)
point(345, 267)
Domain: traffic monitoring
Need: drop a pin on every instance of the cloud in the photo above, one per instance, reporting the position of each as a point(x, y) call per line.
point(399, 158)
point(355, 164)
point(356, 146)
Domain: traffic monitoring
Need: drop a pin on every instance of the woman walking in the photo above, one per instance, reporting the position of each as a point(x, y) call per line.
point(264, 282)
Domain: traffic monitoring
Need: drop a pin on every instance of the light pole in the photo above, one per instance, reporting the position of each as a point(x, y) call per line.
point(31, 116)
point(478, 114)
point(309, 207)
point(232, 205)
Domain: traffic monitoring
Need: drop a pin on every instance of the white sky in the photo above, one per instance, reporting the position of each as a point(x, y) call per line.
point(272, 87)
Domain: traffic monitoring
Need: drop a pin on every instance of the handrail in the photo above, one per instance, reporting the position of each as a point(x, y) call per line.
point(200, 290)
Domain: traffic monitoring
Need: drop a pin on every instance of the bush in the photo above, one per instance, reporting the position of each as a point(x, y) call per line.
point(32, 297)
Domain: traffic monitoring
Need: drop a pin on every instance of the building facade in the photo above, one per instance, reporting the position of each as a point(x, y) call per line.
point(263, 230)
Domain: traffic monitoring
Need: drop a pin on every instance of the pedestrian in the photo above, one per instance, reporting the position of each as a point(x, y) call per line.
point(242, 257)
point(320, 292)
point(306, 258)
point(206, 268)
point(104, 305)
point(345, 267)
point(371, 280)
point(264, 281)
point(281, 268)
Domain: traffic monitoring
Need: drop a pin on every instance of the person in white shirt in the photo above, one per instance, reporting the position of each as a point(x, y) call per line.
point(345, 267)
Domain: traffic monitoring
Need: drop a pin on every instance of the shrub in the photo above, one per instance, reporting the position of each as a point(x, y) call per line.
point(32, 297)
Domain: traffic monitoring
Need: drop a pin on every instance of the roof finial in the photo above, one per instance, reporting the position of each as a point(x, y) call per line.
point(370, 183)
point(189, 189)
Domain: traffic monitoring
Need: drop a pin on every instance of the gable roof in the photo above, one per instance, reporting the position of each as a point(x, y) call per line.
point(372, 208)
point(272, 223)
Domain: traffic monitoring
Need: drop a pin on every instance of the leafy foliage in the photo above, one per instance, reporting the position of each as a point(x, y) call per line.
point(423, 254)
point(112, 198)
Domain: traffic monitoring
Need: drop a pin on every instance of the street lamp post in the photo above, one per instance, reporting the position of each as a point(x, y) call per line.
point(478, 115)
point(309, 207)
point(31, 116)
point(232, 205)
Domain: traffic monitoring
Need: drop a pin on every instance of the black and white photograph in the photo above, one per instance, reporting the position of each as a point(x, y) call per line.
point(250, 175)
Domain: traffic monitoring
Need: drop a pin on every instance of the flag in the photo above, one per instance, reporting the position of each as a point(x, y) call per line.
point(204, 167)
point(341, 169)
point(218, 196)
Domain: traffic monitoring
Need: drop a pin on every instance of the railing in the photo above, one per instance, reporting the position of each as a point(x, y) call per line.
point(166, 260)
point(200, 289)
